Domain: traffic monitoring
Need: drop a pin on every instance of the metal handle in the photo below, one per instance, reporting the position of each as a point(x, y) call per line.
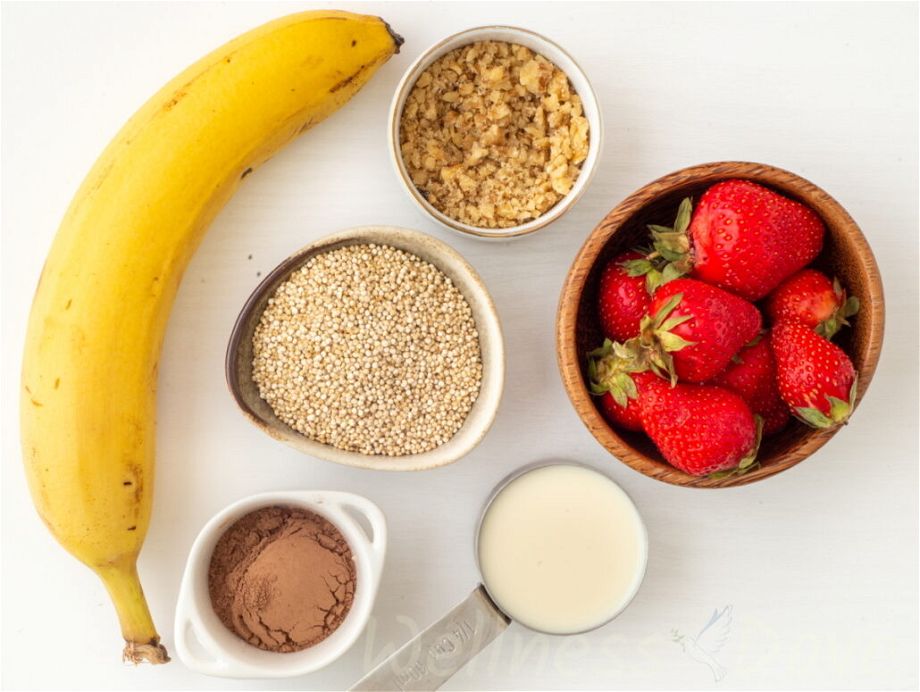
point(434, 655)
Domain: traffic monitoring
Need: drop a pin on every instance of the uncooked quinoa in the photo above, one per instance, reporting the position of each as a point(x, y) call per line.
point(369, 349)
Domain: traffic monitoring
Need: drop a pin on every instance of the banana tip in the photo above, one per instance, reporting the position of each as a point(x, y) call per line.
point(397, 39)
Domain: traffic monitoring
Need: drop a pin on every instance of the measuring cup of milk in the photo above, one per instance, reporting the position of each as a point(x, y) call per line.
point(541, 525)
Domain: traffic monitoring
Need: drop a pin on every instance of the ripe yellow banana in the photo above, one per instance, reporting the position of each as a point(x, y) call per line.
point(100, 310)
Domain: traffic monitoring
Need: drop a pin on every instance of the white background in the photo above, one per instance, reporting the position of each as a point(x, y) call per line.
point(820, 563)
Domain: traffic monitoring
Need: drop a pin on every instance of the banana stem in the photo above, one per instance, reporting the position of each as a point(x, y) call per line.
point(142, 643)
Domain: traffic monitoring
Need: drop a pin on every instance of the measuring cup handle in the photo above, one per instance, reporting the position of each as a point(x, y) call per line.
point(435, 654)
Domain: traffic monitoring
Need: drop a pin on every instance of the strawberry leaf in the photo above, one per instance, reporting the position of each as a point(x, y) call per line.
point(672, 322)
point(671, 342)
point(749, 462)
point(666, 309)
point(838, 320)
point(684, 211)
point(602, 351)
point(592, 369)
point(840, 410)
point(755, 340)
point(670, 255)
point(627, 385)
point(851, 306)
point(671, 272)
point(813, 417)
point(637, 267)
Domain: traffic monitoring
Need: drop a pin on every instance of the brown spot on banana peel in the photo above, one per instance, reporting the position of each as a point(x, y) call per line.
point(174, 101)
point(361, 70)
point(349, 79)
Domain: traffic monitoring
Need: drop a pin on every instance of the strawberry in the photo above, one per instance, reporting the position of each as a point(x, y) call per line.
point(752, 376)
point(702, 429)
point(613, 376)
point(816, 378)
point(813, 299)
point(693, 329)
point(742, 237)
point(623, 297)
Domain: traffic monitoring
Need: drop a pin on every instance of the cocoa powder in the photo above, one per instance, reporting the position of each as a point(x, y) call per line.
point(282, 578)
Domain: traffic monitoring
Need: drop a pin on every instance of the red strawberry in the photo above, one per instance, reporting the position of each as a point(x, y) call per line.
point(752, 376)
point(701, 429)
point(742, 237)
point(813, 299)
point(693, 329)
point(816, 378)
point(623, 297)
point(629, 417)
point(612, 376)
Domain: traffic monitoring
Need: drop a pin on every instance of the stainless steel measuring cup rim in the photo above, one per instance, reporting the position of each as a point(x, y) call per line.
point(522, 471)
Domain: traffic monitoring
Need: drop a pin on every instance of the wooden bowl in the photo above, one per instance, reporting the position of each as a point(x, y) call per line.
point(491, 343)
point(846, 254)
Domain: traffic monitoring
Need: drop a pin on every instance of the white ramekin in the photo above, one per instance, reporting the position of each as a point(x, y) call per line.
point(553, 53)
point(203, 642)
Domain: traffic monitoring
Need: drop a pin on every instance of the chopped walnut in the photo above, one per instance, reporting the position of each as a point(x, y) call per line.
point(493, 135)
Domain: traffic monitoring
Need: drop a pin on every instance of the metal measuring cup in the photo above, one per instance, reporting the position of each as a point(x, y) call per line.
point(430, 658)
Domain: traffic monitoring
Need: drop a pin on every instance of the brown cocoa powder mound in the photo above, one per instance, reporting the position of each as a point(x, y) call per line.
point(282, 578)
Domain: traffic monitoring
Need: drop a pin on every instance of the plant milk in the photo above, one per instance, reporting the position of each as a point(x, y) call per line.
point(562, 549)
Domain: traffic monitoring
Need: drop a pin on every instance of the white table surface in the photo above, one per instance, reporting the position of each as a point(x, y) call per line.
point(819, 563)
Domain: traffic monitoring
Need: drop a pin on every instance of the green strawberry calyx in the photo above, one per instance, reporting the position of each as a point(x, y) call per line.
point(849, 306)
point(749, 461)
point(644, 267)
point(672, 254)
point(838, 414)
point(656, 341)
point(609, 368)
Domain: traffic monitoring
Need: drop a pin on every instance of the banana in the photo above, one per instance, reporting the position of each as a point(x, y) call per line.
point(88, 399)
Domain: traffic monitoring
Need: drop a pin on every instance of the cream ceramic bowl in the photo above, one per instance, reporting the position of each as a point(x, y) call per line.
point(206, 646)
point(551, 52)
point(464, 277)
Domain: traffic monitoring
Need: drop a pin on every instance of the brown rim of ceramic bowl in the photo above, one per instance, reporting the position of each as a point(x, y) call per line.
point(238, 362)
point(846, 254)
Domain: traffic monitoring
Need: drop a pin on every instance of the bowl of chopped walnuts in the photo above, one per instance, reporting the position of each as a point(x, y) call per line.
point(495, 132)
point(376, 347)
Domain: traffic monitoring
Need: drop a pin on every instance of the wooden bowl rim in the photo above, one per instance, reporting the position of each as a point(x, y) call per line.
point(569, 360)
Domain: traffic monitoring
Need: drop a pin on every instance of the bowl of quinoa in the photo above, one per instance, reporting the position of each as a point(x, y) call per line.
point(495, 132)
point(377, 347)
